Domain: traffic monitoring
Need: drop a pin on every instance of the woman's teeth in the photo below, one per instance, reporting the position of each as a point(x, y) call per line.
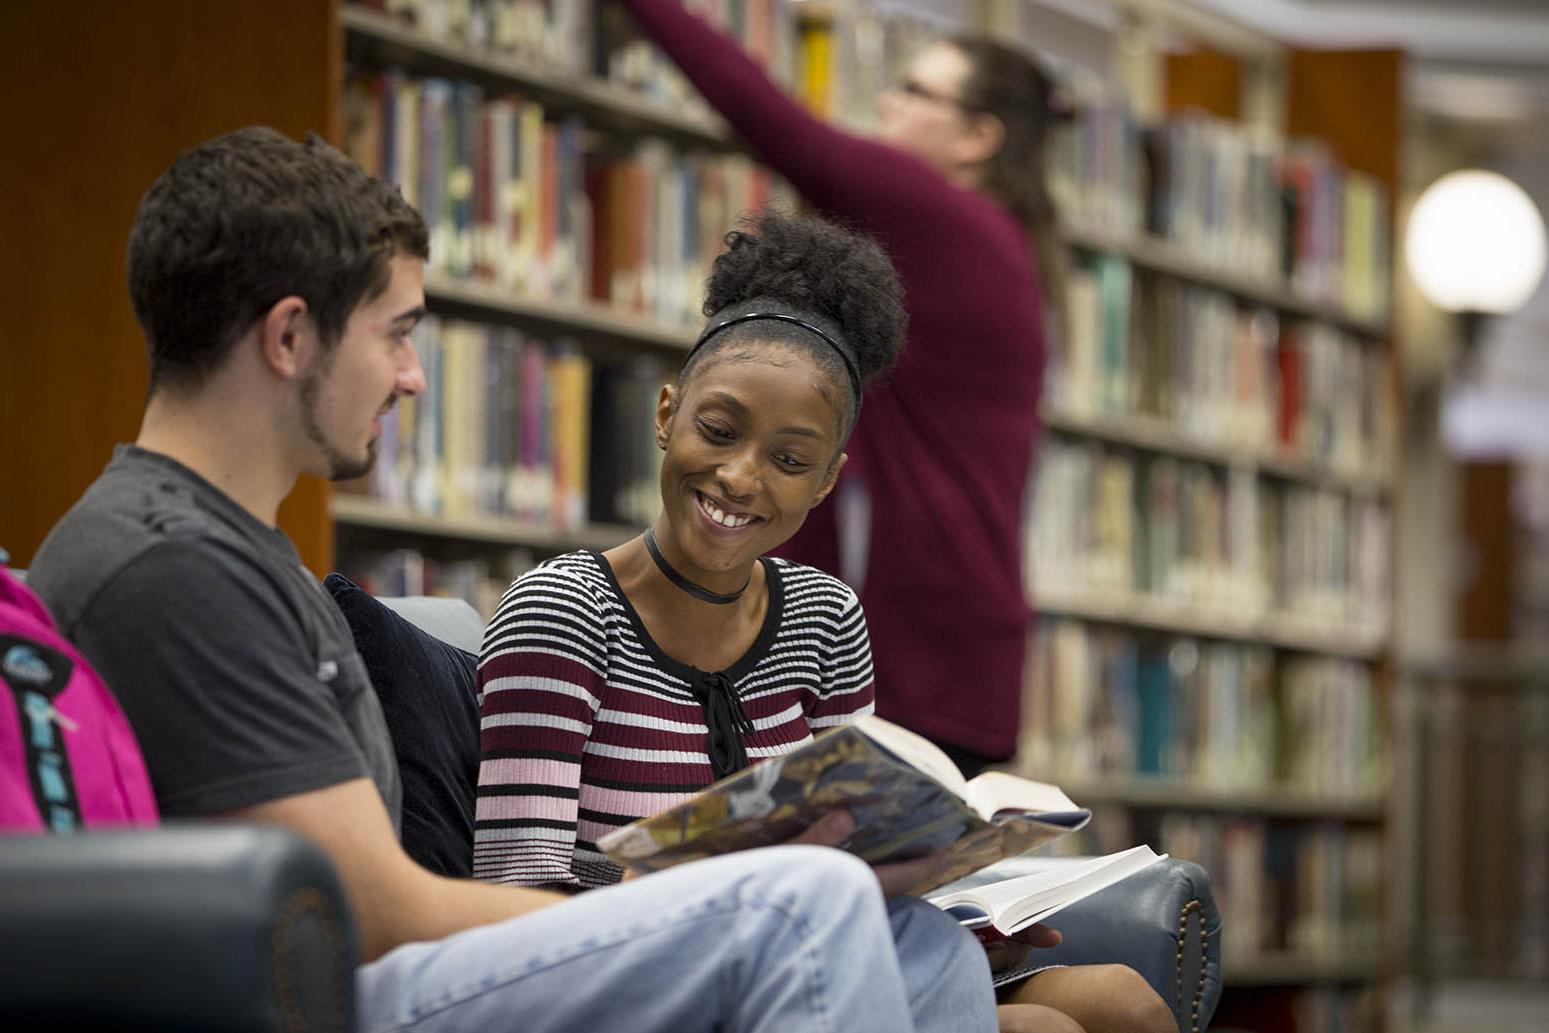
point(722, 517)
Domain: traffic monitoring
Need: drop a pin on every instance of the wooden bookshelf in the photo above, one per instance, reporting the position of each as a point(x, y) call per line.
point(1150, 434)
point(602, 326)
point(1163, 257)
point(1197, 619)
point(377, 40)
point(1268, 802)
point(374, 41)
point(360, 511)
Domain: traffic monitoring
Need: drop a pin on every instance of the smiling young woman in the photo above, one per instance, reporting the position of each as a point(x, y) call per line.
point(614, 685)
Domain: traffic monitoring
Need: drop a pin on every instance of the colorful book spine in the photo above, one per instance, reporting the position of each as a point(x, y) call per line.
point(400, 572)
point(513, 197)
point(1103, 702)
point(1214, 542)
point(505, 428)
point(1219, 370)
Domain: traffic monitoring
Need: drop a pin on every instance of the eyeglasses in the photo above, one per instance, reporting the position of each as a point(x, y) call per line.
point(914, 88)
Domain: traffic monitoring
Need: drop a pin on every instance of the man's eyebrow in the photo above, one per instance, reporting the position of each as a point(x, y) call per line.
point(413, 315)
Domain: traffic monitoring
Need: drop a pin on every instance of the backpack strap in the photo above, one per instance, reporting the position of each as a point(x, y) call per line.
point(35, 674)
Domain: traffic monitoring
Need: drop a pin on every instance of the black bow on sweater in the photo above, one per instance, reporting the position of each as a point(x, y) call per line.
point(726, 720)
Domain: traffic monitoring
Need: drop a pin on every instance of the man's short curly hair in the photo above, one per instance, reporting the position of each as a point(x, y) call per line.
point(248, 218)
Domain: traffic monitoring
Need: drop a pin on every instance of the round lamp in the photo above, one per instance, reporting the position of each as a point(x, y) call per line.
point(1476, 243)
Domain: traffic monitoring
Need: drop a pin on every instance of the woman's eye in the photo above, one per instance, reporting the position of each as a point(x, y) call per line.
point(714, 431)
point(791, 462)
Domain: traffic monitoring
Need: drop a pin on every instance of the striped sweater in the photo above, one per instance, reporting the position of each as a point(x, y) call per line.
point(586, 725)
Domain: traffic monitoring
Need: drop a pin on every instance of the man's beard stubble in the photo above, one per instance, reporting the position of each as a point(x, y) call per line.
point(341, 467)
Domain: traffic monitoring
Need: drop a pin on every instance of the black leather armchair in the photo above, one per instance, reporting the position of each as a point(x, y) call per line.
point(233, 928)
point(245, 930)
point(1162, 922)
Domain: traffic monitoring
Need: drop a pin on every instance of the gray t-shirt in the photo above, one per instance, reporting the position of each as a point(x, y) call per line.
point(237, 671)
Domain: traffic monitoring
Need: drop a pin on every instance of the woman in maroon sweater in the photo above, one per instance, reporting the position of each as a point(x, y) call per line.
point(954, 191)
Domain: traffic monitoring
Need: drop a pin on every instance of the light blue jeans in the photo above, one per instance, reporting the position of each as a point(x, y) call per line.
point(784, 939)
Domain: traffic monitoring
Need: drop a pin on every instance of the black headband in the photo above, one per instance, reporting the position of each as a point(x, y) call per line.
point(849, 363)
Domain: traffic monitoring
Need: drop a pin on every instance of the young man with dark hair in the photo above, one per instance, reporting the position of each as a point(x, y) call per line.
point(277, 285)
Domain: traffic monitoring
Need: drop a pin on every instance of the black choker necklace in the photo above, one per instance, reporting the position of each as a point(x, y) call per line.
point(697, 591)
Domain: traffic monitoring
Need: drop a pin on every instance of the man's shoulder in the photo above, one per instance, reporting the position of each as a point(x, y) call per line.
point(120, 523)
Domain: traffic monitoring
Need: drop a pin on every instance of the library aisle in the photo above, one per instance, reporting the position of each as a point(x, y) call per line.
point(1284, 539)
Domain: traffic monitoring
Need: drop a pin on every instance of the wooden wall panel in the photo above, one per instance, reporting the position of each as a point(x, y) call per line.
point(1352, 100)
point(100, 97)
point(1205, 80)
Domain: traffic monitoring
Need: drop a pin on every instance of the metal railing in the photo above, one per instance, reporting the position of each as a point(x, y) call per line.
point(1474, 757)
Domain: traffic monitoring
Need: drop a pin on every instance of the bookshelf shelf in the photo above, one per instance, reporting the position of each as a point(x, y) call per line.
point(364, 512)
point(1154, 435)
point(1270, 802)
point(382, 42)
point(1162, 257)
point(1295, 968)
point(491, 303)
point(1185, 619)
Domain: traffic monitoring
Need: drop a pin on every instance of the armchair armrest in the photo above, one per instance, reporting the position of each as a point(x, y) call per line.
point(242, 929)
point(1161, 922)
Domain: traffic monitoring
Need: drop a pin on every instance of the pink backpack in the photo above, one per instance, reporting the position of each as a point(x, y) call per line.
point(68, 758)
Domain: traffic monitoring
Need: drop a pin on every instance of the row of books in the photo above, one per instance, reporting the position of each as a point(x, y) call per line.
point(1219, 371)
point(515, 198)
point(514, 426)
point(1106, 521)
point(1233, 196)
point(554, 35)
point(1313, 890)
point(847, 54)
point(765, 29)
point(1096, 168)
point(1230, 196)
point(399, 572)
point(583, 37)
point(1107, 703)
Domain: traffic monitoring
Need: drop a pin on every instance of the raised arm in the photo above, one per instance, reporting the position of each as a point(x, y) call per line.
point(880, 187)
point(540, 681)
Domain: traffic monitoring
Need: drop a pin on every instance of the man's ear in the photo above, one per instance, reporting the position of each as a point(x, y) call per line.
point(666, 405)
point(831, 479)
point(287, 338)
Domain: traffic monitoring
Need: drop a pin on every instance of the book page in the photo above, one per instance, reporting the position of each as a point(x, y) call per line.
point(1046, 886)
point(996, 791)
point(915, 750)
point(900, 811)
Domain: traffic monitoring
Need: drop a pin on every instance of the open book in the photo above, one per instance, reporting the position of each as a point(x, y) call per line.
point(1023, 891)
point(907, 797)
